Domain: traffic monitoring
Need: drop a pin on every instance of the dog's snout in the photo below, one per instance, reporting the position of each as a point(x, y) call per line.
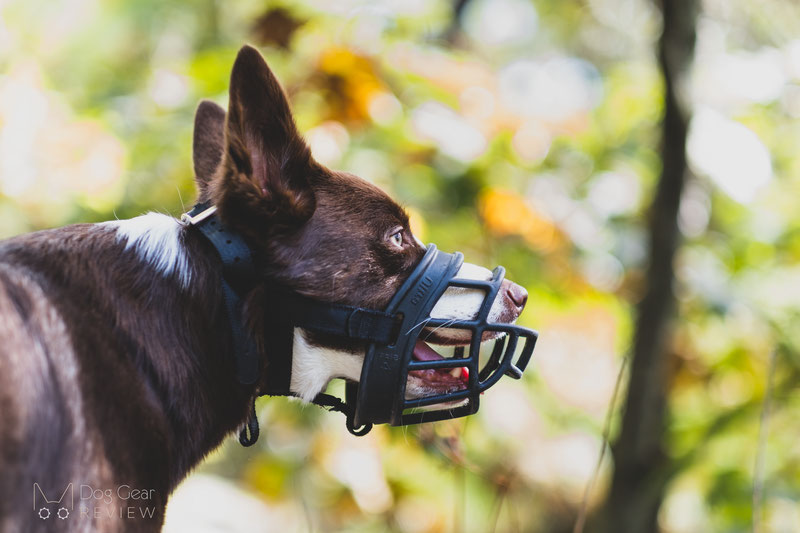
point(516, 294)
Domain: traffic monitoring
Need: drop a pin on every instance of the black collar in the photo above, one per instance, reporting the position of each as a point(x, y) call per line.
point(238, 278)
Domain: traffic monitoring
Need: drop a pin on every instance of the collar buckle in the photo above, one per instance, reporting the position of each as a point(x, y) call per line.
point(190, 219)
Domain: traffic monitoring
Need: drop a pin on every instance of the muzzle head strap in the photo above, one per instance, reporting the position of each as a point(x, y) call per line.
point(359, 323)
point(287, 310)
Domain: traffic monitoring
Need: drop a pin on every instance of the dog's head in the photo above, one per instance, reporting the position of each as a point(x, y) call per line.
point(328, 235)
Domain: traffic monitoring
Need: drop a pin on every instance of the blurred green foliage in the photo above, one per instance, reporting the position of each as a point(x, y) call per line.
point(522, 133)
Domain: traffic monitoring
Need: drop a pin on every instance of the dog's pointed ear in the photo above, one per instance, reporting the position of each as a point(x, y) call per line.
point(208, 142)
point(266, 165)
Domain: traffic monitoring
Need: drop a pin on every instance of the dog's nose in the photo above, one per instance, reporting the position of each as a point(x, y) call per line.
point(517, 294)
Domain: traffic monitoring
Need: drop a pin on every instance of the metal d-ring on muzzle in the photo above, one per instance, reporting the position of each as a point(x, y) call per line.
point(380, 395)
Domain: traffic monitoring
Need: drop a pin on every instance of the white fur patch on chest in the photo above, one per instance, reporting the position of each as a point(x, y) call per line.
point(157, 240)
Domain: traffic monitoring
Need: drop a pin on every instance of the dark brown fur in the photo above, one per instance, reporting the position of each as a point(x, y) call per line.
point(112, 374)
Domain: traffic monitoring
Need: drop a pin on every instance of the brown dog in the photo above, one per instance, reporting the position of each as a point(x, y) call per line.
point(116, 367)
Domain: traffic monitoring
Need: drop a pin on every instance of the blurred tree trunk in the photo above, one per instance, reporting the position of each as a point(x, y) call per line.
point(641, 470)
point(453, 31)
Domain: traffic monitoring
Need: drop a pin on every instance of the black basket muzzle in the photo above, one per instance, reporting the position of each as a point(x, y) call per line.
point(381, 394)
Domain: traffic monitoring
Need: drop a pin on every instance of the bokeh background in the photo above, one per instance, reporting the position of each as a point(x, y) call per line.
point(522, 132)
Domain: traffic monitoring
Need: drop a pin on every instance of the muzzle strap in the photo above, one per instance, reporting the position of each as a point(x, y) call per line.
point(346, 321)
point(288, 310)
point(332, 403)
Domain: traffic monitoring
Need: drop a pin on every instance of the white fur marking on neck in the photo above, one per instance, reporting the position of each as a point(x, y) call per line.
point(313, 367)
point(156, 238)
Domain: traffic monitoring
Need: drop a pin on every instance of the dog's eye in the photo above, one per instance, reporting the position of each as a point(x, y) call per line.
point(397, 239)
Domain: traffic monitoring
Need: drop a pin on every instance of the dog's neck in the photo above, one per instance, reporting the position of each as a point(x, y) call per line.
point(168, 278)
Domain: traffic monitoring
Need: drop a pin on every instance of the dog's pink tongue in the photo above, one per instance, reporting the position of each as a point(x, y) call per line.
point(423, 352)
